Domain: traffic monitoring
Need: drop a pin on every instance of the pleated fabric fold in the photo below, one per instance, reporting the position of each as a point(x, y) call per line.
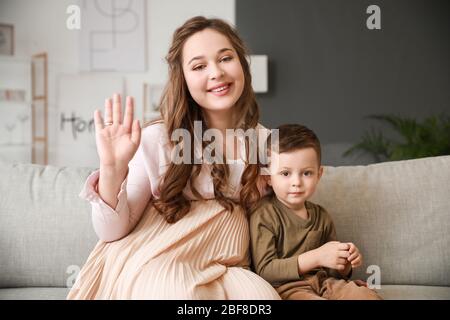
point(205, 255)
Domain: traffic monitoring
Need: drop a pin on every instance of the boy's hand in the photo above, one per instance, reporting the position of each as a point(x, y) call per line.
point(334, 255)
point(355, 257)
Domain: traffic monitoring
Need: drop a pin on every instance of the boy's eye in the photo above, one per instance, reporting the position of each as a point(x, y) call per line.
point(284, 173)
point(308, 173)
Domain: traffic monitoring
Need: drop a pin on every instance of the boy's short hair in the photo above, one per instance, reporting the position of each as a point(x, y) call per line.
point(293, 137)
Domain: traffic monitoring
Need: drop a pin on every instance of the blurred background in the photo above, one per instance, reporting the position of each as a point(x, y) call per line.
point(371, 78)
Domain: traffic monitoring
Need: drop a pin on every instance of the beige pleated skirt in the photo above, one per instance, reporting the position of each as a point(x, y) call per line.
point(205, 255)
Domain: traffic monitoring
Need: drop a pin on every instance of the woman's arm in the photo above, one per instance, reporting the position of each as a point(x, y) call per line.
point(120, 189)
point(114, 222)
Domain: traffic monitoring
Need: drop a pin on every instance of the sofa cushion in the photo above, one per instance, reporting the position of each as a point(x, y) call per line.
point(397, 213)
point(45, 228)
point(399, 292)
point(30, 293)
point(389, 292)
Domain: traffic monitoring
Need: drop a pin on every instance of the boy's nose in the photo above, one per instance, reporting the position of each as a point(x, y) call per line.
point(296, 182)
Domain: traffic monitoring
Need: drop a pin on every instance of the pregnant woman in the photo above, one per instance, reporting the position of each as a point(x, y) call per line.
point(171, 230)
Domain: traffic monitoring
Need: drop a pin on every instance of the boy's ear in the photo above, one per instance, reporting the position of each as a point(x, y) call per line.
point(320, 171)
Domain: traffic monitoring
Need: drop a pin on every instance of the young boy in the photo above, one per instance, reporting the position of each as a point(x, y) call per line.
point(293, 241)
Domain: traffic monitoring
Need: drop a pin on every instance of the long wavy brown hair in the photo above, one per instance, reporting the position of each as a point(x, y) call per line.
point(179, 110)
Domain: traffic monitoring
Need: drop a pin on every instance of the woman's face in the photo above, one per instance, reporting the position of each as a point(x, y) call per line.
point(212, 70)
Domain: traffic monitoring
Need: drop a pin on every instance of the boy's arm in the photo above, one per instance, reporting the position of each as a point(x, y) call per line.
point(307, 261)
point(263, 235)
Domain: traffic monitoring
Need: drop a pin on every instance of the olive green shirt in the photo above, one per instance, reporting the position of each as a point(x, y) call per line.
point(279, 236)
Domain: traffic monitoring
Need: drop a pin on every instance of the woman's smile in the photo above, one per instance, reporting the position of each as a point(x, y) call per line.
point(221, 89)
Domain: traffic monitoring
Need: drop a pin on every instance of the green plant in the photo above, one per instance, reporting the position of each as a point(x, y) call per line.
point(428, 138)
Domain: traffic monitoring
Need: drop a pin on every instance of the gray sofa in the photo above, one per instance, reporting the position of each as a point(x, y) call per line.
point(398, 213)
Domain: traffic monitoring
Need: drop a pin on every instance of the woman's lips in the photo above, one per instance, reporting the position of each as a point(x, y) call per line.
point(221, 91)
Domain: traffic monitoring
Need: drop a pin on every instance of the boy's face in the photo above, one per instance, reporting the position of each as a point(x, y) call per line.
point(294, 176)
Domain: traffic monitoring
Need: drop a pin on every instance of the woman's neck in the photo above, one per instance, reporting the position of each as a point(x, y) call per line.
point(221, 120)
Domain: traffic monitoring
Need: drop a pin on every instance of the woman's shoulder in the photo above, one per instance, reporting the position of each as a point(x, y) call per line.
point(154, 126)
point(154, 148)
point(260, 126)
point(262, 130)
point(155, 131)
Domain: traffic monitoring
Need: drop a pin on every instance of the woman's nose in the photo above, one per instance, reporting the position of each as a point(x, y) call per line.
point(216, 72)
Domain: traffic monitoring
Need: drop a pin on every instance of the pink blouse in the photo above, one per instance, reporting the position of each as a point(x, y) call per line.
point(141, 184)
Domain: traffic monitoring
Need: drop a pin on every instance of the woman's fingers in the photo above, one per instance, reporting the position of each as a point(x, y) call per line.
point(98, 121)
point(108, 111)
point(113, 113)
point(129, 111)
point(117, 110)
point(136, 132)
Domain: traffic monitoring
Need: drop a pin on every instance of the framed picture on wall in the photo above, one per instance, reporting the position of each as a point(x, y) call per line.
point(154, 96)
point(6, 39)
point(16, 95)
point(151, 98)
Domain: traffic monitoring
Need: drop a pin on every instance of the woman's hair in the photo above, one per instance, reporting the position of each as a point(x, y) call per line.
point(179, 110)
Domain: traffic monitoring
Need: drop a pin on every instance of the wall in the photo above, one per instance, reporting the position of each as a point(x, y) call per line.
point(41, 26)
point(328, 71)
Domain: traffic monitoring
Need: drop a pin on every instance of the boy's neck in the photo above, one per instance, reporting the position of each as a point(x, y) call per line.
point(302, 212)
point(299, 210)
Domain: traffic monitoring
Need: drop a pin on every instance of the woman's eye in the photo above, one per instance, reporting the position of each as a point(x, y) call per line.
point(199, 67)
point(226, 59)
